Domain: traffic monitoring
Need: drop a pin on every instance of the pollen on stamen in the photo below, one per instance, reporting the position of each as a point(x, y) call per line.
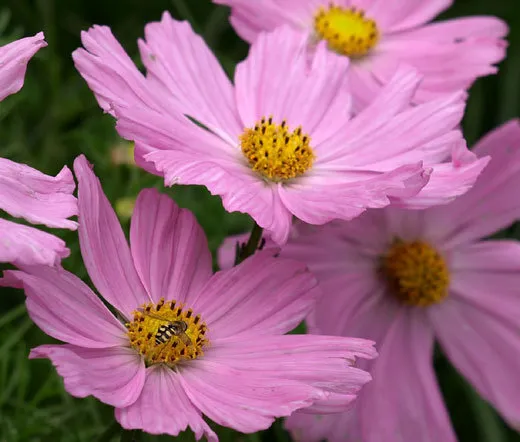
point(166, 333)
point(346, 30)
point(415, 273)
point(276, 152)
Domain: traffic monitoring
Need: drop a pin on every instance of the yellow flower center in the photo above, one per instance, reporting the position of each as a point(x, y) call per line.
point(276, 152)
point(416, 273)
point(165, 333)
point(346, 30)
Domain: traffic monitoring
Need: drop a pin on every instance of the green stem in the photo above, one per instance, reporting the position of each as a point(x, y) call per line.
point(249, 248)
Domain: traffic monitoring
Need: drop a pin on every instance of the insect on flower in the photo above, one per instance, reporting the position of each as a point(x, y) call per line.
point(171, 329)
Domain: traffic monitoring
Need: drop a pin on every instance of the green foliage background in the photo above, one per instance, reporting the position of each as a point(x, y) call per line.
point(55, 117)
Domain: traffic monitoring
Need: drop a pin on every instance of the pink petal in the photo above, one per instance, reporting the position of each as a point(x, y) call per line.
point(250, 18)
point(337, 427)
point(241, 190)
point(484, 276)
point(450, 54)
point(424, 132)
point(403, 402)
point(491, 204)
point(23, 245)
point(226, 253)
point(246, 383)
point(271, 80)
point(243, 401)
point(321, 198)
point(112, 375)
point(13, 63)
point(41, 199)
point(104, 247)
point(65, 308)
point(398, 15)
point(478, 329)
point(465, 27)
point(169, 248)
point(179, 62)
point(325, 362)
point(393, 99)
point(448, 180)
point(354, 303)
point(164, 407)
point(262, 295)
point(111, 74)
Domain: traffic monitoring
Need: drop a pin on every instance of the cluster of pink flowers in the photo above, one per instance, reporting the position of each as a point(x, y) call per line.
point(340, 136)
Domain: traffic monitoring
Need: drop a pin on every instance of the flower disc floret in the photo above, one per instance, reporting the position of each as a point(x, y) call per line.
point(166, 333)
point(276, 152)
point(415, 273)
point(346, 30)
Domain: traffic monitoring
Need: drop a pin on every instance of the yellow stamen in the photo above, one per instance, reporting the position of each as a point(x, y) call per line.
point(346, 30)
point(165, 333)
point(276, 152)
point(416, 273)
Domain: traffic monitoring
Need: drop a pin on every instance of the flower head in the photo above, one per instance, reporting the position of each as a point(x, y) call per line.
point(405, 278)
point(184, 342)
point(378, 36)
point(282, 141)
point(26, 192)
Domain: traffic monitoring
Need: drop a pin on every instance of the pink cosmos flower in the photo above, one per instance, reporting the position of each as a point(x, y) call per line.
point(380, 34)
point(215, 346)
point(406, 278)
point(282, 141)
point(26, 192)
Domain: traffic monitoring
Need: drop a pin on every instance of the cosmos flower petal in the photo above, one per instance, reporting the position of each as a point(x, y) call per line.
point(336, 427)
point(393, 99)
point(490, 204)
point(23, 245)
point(277, 374)
point(219, 390)
point(251, 18)
point(65, 308)
point(392, 16)
point(164, 407)
point(280, 291)
point(481, 315)
point(110, 72)
point(13, 63)
point(313, 201)
point(240, 190)
point(278, 66)
point(113, 375)
point(103, 244)
point(448, 180)
point(169, 248)
point(450, 54)
point(144, 112)
point(460, 28)
point(425, 132)
point(485, 276)
point(320, 361)
point(40, 199)
point(387, 406)
point(197, 82)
